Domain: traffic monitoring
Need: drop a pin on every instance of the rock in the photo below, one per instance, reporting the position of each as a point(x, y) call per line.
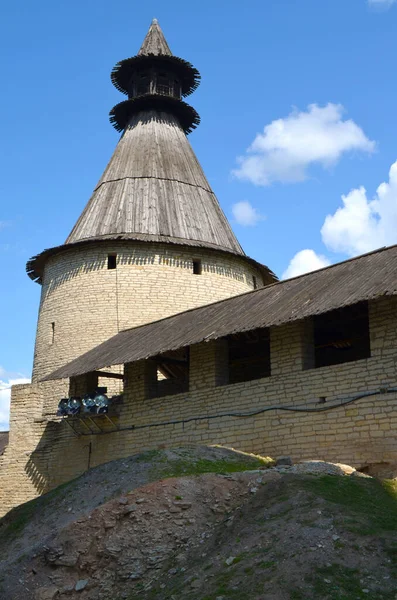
point(284, 461)
point(67, 589)
point(347, 469)
point(109, 522)
point(67, 560)
point(269, 476)
point(46, 593)
point(81, 584)
point(140, 500)
point(229, 561)
point(52, 553)
point(359, 474)
point(123, 501)
point(317, 467)
point(130, 508)
point(112, 549)
point(182, 505)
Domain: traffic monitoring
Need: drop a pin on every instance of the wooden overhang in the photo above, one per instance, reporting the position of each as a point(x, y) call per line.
point(155, 51)
point(366, 277)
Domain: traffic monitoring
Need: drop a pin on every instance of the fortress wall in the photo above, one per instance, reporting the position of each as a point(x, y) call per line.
point(22, 478)
point(358, 434)
point(88, 303)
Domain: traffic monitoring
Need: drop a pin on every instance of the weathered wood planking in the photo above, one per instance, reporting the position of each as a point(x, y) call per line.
point(155, 185)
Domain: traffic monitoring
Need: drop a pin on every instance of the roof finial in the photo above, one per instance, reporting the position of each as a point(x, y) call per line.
point(155, 42)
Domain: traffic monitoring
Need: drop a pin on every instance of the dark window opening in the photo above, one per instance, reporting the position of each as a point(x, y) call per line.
point(249, 355)
point(143, 85)
point(177, 88)
point(112, 261)
point(172, 374)
point(341, 335)
point(52, 332)
point(197, 268)
point(254, 282)
point(164, 85)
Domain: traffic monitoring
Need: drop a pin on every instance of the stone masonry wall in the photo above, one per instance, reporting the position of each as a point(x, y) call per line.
point(360, 433)
point(84, 303)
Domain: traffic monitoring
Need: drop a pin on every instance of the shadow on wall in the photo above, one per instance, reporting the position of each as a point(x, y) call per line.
point(135, 256)
point(57, 458)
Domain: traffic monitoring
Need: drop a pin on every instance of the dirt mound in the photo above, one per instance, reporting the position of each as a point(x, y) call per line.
point(275, 534)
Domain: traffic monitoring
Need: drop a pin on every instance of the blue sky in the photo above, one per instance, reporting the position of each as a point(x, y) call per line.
point(298, 109)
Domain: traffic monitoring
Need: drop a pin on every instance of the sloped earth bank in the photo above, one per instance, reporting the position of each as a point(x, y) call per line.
point(264, 534)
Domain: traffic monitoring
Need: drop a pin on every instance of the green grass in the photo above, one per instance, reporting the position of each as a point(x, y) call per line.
point(370, 506)
point(343, 584)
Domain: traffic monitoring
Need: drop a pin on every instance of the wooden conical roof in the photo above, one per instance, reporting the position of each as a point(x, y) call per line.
point(155, 42)
point(153, 189)
point(154, 186)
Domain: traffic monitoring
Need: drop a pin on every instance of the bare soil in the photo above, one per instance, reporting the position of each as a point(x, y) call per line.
point(228, 526)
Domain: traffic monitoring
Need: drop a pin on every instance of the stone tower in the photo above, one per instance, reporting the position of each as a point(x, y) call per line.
point(153, 239)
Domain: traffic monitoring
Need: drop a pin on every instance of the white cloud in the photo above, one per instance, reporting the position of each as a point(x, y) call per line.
point(381, 3)
point(245, 214)
point(361, 224)
point(305, 261)
point(288, 147)
point(6, 381)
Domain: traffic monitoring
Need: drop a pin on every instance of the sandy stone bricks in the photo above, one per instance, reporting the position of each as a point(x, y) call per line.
point(359, 433)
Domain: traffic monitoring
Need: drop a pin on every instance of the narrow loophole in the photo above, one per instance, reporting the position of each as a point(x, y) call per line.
point(197, 267)
point(112, 261)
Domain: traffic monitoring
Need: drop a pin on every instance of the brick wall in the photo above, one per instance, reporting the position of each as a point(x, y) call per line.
point(358, 434)
point(84, 303)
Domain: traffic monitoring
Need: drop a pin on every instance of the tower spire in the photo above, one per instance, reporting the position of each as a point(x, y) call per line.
point(155, 42)
point(153, 189)
point(155, 79)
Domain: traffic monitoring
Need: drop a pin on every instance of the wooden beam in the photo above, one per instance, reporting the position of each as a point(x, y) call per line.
point(108, 374)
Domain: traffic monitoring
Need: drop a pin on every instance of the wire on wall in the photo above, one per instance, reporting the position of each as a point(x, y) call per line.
point(246, 415)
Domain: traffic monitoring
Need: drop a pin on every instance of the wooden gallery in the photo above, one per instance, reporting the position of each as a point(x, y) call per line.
point(155, 329)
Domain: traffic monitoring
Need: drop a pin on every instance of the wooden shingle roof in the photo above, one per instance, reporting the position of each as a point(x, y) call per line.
point(154, 185)
point(155, 42)
point(366, 277)
point(153, 189)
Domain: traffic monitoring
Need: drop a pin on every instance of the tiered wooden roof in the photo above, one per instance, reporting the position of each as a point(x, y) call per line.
point(153, 188)
point(155, 50)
